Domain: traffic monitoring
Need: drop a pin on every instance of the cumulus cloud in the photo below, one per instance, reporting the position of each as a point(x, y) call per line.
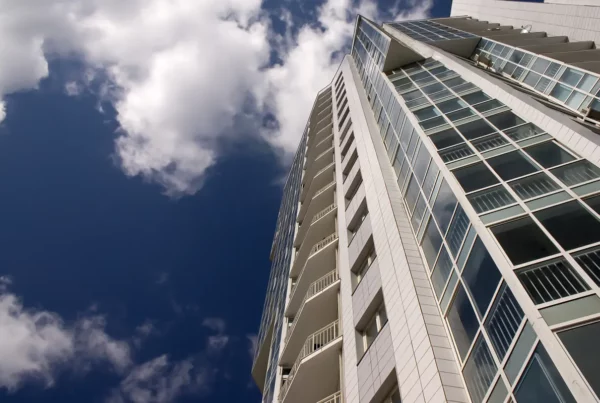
point(37, 345)
point(181, 73)
point(160, 381)
point(216, 342)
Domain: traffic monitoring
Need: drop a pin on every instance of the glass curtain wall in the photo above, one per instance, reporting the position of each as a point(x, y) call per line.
point(526, 187)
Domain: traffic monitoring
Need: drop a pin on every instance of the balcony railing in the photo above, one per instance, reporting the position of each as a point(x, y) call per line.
point(323, 212)
point(315, 342)
point(322, 244)
point(315, 287)
point(335, 398)
point(324, 188)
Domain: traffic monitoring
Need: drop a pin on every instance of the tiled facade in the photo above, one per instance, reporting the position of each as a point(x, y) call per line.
point(464, 258)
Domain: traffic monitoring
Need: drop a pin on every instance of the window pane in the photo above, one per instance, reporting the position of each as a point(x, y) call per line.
point(426, 113)
point(579, 342)
point(444, 206)
point(571, 77)
point(451, 105)
point(541, 382)
point(534, 185)
point(412, 193)
point(578, 172)
point(475, 97)
point(442, 270)
point(561, 92)
point(505, 120)
point(503, 321)
point(511, 165)
point(463, 322)
point(489, 105)
point(479, 370)
point(549, 154)
point(446, 138)
point(457, 230)
point(481, 276)
point(570, 224)
point(523, 131)
point(421, 163)
point(475, 177)
point(475, 129)
point(429, 181)
point(523, 241)
point(490, 199)
point(432, 240)
point(550, 281)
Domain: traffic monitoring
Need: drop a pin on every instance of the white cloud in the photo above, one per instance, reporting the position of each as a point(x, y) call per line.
point(217, 342)
point(160, 381)
point(253, 344)
point(37, 344)
point(180, 72)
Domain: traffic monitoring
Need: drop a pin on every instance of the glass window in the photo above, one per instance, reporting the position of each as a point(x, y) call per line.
point(511, 165)
point(480, 370)
point(460, 114)
point(475, 177)
point(503, 321)
point(457, 230)
point(429, 181)
point(433, 88)
point(541, 381)
point(523, 241)
point(481, 276)
point(577, 172)
point(441, 272)
point(475, 97)
point(426, 113)
point(453, 82)
point(549, 154)
point(550, 281)
point(505, 120)
point(432, 240)
point(523, 131)
point(571, 77)
point(412, 193)
point(444, 206)
point(473, 130)
point(570, 224)
point(421, 163)
point(463, 322)
point(451, 105)
point(561, 92)
point(533, 186)
point(409, 96)
point(446, 138)
point(489, 105)
point(418, 213)
point(579, 342)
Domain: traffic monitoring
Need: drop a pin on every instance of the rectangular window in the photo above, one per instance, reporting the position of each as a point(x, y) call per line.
point(550, 281)
point(503, 321)
point(580, 342)
point(463, 322)
point(373, 328)
point(480, 370)
point(570, 224)
point(481, 276)
point(523, 241)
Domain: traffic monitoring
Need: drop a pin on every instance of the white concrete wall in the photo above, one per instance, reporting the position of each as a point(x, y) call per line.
point(573, 18)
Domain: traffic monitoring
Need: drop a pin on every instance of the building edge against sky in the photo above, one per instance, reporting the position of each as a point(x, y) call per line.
point(439, 233)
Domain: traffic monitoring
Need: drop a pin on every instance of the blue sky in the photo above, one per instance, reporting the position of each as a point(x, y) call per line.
point(137, 216)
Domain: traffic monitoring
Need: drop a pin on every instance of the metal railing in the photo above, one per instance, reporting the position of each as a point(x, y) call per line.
point(315, 342)
point(324, 140)
point(313, 289)
point(323, 243)
point(324, 189)
point(335, 398)
point(323, 212)
point(324, 169)
point(307, 184)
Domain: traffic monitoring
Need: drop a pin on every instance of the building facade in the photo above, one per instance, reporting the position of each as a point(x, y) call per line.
point(439, 234)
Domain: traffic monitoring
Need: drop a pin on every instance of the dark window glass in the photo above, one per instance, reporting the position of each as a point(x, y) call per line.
point(463, 322)
point(534, 185)
point(570, 224)
point(441, 272)
point(541, 382)
point(451, 105)
point(489, 105)
point(594, 203)
point(511, 165)
point(409, 96)
point(505, 120)
point(427, 113)
point(523, 241)
point(444, 206)
point(412, 193)
point(475, 177)
point(433, 88)
point(579, 342)
point(549, 154)
point(446, 138)
point(458, 229)
point(523, 131)
point(432, 240)
point(481, 276)
point(473, 130)
point(421, 163)
point(429, 181)
point(475, 97)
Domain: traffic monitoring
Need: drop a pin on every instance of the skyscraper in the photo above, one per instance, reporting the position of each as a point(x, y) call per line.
point(439, 235)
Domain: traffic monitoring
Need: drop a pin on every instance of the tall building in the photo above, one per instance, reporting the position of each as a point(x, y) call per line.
point(439, 235)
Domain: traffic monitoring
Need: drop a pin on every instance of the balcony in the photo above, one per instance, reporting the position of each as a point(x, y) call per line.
point(320, 134)
point(319, 201)
point(318, 308)
point(335, 398)
point(320, 225)
point(316, 372)
point(321, 161)
point(321, 249)
point(323, 145)
point(321, 178)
